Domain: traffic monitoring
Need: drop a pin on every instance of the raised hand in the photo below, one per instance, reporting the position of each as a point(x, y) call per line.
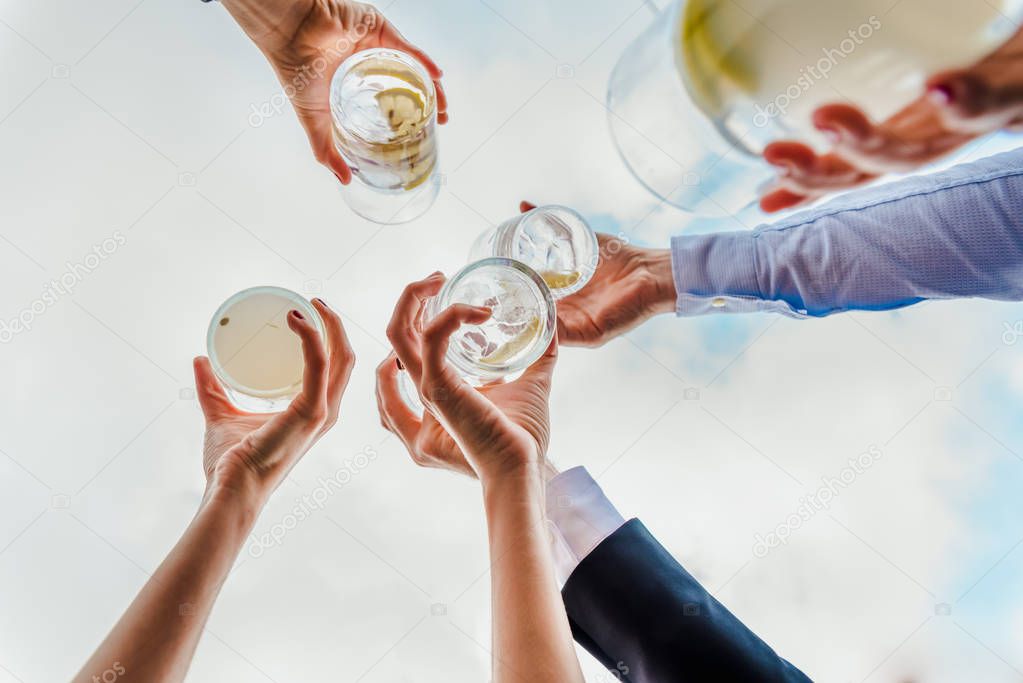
point(256, 450)
point(957, 107)
point(306, 41)
point(478, 432)
point(630, 285)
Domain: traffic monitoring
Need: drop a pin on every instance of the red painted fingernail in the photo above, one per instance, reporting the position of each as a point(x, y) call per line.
point(398, 362)
point(321, 302)
point(941, 94)
point(298, 315)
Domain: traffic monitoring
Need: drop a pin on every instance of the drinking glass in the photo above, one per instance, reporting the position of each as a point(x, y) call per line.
point(553, 240)
point(694, 100)
point(384, 109)
point(254, 353)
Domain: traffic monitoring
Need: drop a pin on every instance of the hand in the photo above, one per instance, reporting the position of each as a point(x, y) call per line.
point(306, 41)
point(957, 107)
point(630, 285)
point(251, 453)
point(486, 432)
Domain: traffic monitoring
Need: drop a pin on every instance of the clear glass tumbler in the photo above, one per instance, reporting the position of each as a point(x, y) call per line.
point(520, 329)
point(694, 100)
point(252, 350)
point(384, 108)
point(553, 240)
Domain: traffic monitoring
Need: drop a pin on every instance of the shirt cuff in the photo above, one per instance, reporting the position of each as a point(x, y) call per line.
point(717, 273)
point(581, 517)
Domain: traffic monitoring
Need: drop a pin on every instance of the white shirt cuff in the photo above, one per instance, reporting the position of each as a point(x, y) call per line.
point(581, 517)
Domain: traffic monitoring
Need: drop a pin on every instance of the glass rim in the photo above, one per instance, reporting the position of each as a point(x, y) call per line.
point(337, 104)
point(301, 303)
point(490, 373)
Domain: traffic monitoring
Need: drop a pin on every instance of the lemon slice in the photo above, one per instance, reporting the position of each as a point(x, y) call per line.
point(403, 108)
point(514, 346)
point(561, 279)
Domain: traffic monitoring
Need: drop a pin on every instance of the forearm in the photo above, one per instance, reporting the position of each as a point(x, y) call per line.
point(262, 20)
point(953, 234)
point(532, 640)
point(155, 639)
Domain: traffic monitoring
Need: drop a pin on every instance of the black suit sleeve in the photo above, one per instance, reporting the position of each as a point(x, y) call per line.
point(634, 607)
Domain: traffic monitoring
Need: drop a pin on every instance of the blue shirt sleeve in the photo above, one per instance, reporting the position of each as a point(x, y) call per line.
point(958, 233)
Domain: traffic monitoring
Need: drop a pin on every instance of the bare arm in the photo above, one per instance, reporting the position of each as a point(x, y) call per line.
point(502, 431)
point(246, 456)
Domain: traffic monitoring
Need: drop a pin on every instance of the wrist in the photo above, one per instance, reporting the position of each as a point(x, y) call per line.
point(238, 495)
point(659, 291)
point(523, 480)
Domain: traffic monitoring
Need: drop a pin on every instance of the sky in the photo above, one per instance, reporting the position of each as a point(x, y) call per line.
point(125, 125)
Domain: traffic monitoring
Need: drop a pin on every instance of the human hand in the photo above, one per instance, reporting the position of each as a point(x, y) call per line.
point(486, 432)
point(249, 454)
point(957, 107)
point(306, 41)
point(629, 286)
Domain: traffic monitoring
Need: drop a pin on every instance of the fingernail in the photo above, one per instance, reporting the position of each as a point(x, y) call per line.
point(321, 302)
point(398, 362)
point(298, 315)
point(941, 94)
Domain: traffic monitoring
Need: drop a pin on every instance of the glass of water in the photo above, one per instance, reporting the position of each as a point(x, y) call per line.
point(553, 240)
point(384, 107)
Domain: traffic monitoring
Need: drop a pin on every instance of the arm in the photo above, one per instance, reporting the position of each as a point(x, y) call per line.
point(246, 456)
point(306, 41)
point(636, 609)
point(158, 634)
point(958, 233)
point(498, 434)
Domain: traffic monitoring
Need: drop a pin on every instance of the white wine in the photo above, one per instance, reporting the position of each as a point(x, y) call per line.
point(252, 349)
point(753, 61)
point(384, 109)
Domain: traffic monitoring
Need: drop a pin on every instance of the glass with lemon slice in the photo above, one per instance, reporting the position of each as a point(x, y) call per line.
point(696, 97)
point(519, 330)
point(384, 109)
point(553, 240)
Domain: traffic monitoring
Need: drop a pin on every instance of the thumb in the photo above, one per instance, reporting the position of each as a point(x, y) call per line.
point(969, 103)
point(210, 393)
point(319, 128)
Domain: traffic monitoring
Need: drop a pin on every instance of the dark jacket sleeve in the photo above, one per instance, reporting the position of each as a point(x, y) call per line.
point(634, 607)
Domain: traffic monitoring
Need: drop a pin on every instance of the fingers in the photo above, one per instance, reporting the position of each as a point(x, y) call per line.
point(340, 358)
point(391, 37)
point(525, 206)
point(442, 103)
point(311, 402)
point(781, 199)
point(319, 128)
point(403, 330)
point(436, 337)
point(395, 415)
point(212, 399)
point(968, 103)
point(803, 172)
point(878, 149)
